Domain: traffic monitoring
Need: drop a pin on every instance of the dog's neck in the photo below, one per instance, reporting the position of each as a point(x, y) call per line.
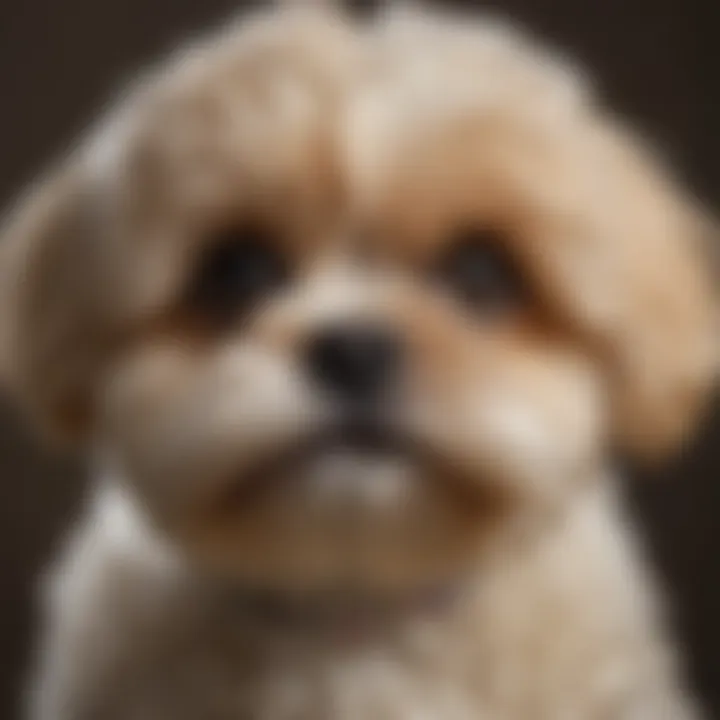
point(347, 617)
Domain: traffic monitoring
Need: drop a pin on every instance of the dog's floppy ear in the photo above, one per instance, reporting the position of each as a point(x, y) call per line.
point(661, 335)
point(50, 331)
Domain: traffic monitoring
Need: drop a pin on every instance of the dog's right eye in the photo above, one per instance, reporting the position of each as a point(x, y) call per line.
point(241, 266)
point(478, 270)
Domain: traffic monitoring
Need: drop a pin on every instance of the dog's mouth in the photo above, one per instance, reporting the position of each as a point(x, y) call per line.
point(358, 437)
point(341, 504)
point(346, 454)
point(356, 467)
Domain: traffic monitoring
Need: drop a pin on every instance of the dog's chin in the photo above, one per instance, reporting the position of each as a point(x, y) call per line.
point(357, 509)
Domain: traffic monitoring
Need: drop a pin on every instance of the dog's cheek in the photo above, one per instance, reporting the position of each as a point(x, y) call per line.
point(542, 422)
point(142, 413)
point(181, 422)
point(528, 418)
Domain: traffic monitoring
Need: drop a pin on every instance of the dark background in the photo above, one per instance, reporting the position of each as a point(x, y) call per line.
point(657, 61)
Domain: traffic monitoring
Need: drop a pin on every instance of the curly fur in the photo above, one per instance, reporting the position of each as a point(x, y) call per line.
point(166, 603)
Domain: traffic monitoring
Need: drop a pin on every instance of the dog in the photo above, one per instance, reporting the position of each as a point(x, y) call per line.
point(351, 318)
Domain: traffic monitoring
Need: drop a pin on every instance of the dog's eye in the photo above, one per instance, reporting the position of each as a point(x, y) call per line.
point(241, 266)
point(479, 271)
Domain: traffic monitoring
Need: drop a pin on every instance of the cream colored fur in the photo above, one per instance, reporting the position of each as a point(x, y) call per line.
point(567, 627)
point(337, 131)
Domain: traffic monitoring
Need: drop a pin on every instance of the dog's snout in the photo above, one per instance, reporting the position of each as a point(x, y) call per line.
point(357, 363)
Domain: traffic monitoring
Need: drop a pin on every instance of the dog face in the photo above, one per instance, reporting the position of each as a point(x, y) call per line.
point(344, 304)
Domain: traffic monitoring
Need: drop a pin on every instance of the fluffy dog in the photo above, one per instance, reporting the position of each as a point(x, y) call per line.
point(351, 318)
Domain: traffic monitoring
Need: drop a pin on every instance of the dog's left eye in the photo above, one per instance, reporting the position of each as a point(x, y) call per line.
point(478, 270)
point(241, 267)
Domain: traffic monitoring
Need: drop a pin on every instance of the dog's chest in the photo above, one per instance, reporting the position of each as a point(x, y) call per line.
point(515, 674)
point(432, 673)
point(340, 683)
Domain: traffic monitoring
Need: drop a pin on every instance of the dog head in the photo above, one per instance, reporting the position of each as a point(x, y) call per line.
point(339, 303)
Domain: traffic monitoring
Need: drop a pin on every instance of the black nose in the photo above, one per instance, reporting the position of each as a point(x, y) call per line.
point(357, 363)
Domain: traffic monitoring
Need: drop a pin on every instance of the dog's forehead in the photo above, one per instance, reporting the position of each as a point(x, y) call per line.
point(305, 108)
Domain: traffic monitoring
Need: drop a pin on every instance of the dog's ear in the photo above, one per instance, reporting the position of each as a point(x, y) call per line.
point(659, 337)
point(50, 330)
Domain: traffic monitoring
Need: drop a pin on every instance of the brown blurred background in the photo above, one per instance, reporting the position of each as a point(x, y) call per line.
point(658, 61)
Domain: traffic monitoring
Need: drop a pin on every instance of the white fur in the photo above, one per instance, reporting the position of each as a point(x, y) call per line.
point(563, 629)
